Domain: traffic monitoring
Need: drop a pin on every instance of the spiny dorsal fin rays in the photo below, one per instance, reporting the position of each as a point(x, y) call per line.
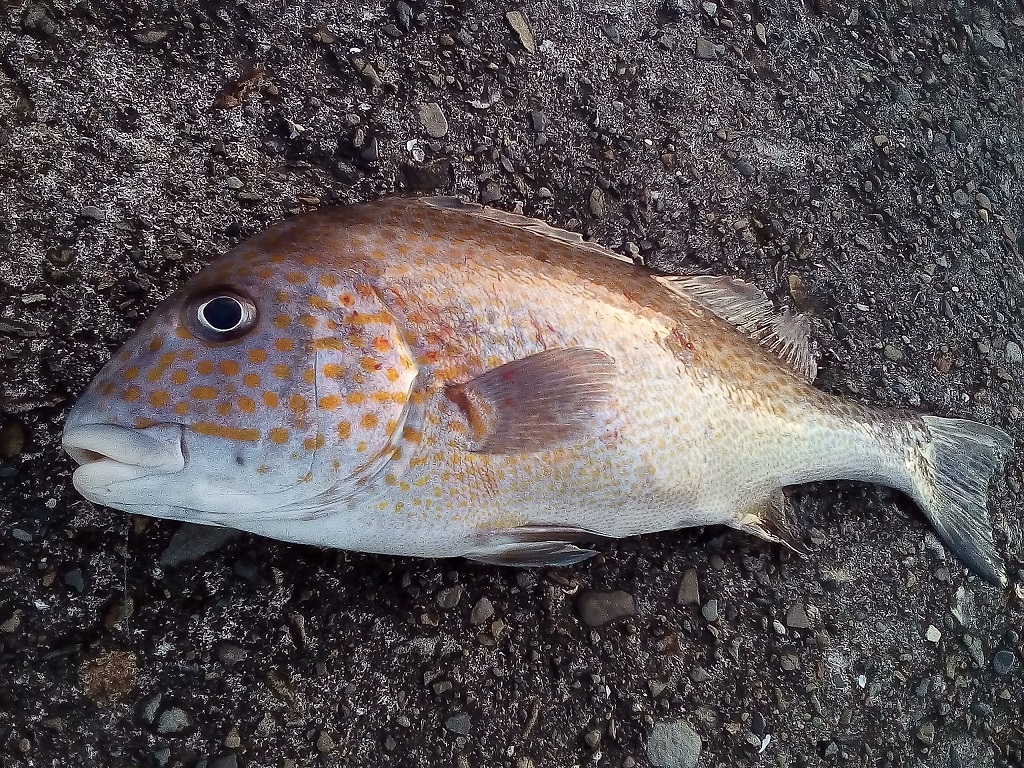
point(748, 308)
point(534, 226)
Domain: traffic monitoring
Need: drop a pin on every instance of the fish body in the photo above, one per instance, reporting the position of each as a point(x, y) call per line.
point(430, 378)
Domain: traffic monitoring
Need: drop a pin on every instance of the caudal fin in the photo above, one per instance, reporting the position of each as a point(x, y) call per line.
point(951, 486)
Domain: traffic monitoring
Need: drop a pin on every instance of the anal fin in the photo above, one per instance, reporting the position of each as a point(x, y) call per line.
point(769, 520)
point(533, 546)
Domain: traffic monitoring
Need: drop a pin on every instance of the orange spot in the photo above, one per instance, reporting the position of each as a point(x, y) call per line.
point(106, 387)
point(282, 297)
point(381, 344)
point(330, 402)
point(369, 421)
point(181, 409)
point(160, 398)
point(378, 254)
point(278, 435)
point(270, 399)
point(228, 433)
point(368, 318)
point(251, 380)
point(295, 278)
point(203, 393)
point(179, 376)
point(332, 371)
point(412, 435)
point(155, 374)
point(308, 375)
point(361, 447)
point(131, 374)
point(308, 321)
point(277, 258)
point(131, 394)
point(282, 371)
point(416, 397)
point(382, 397)
point(297, 403)
point(328, 281)
point(282, 321)
point(155, 344)
point(204, 367)
point(183, 333)
point(328, 344)
point(257, 356)
point(265, 273)
point(347, 300)
point(228, 367)
point(143, 423)
point(318, 302)
point(246, 404)
point(355, 398)
point(391, 427)
point(313, 443)
point(187, 355)
point(224, 409)
point(369, 364)
point(392, 374)
point(344, 430)
point(283, 345)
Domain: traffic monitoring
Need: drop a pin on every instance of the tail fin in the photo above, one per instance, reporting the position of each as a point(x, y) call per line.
point(951, 486)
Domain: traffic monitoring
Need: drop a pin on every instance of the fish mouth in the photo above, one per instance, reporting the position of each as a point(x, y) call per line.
point(109, 455)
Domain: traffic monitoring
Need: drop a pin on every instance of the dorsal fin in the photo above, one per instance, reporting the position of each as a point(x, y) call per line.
point(751, 311)
point(534, 226)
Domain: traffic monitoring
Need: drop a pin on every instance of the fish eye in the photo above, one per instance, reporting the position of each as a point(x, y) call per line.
point(220, 316)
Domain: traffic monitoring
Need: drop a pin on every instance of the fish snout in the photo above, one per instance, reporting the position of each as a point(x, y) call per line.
point(109, 455)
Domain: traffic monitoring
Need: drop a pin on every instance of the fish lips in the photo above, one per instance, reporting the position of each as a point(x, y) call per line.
point(113, 459)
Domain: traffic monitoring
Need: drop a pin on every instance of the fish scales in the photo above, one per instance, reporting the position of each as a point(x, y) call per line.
point(429, 378)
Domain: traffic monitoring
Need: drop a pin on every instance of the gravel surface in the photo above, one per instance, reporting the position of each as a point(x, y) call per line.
point(861, 161)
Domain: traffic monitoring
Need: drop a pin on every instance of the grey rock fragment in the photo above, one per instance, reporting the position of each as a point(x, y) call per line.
point(796, 617)
point(93, 212)
point(173, 720)
point(710, 610)
point(598, 608)
point(689, 588)
point(458, 723)
point(449, 597)
point(705, 49)
point(521, 26)
point(192, 542)
point(482, 612)
point(1003, 662)
point(433, 120)
point(673, 745)
point(1013, 353)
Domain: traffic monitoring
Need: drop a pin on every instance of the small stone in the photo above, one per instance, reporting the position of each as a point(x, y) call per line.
point(230, 654)
point(710, 611)
point(433, 120)
point(933, 635)
point(599, 608)
point(1013, 353)
point(12, 439)
point(593, 740)
point(926, 734)
point(12, 623)
point(173, 720)
point(597, 203)
point(892, 352)
point(982, 201)
point(796, 617)
point(458, 723)
point(75, 580)
point(192, 542)
point(700, 675)
point(93, 212)
point(705, 49)
point(324, 743)
point(449, 597)
point(761, 33)
point(233, 182)
point(689, 588)
point(233, 740)
point(521, 26)
point(1003, 662)
point(482, 612)
point(673, 745)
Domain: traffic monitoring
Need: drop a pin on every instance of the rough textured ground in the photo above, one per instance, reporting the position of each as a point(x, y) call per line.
point(860, 160)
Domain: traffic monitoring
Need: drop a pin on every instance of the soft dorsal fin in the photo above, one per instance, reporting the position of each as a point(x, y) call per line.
point(751, 311)
point(538, 402)
point(533, 226)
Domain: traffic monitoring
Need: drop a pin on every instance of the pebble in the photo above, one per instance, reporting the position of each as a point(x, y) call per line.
point(710, 610)
point(233, 182)
point(1003, 662)
point(796, 617)
point(705, 49)
point(75, 580)
point(689, 588)
point(933, 635)
point(482, 612)
point(673, 745)
point(926, 734)
point(12, 439)
point(93, 212)
point(324, 743)
point(597, 203)
point(458, 723)
point(449, 597)
point(892, 352)
point(433, 120)
point(599, 608)
point(521, 26)
point(1013, 353)
point(192, 542)
point(173, 720)
point(761, 33)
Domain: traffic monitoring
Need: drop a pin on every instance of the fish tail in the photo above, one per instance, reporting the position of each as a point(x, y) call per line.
point(950, 464)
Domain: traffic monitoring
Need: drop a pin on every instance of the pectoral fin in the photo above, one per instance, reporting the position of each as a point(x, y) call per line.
point(536, 403)
point(532, 546)
point(769, 520)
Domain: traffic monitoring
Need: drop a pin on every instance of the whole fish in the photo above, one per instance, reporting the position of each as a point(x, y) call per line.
point(433, 378)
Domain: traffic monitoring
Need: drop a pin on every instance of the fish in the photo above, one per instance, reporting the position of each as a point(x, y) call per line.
point(433, 378)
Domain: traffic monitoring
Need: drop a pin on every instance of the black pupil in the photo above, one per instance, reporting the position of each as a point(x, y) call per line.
point(222, 313)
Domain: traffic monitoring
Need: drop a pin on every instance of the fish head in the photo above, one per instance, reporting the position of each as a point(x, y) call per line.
point(274, 382)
